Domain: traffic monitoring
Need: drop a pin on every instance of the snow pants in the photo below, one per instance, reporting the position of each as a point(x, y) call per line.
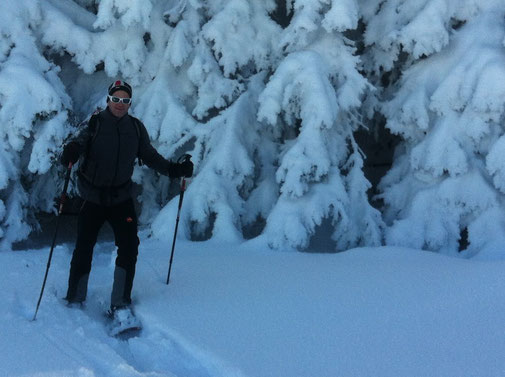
point(123, 220)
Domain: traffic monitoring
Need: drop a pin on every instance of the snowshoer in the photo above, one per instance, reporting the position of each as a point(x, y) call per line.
point(108, 148)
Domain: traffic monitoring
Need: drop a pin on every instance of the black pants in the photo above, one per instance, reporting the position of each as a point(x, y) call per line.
point(123, 220)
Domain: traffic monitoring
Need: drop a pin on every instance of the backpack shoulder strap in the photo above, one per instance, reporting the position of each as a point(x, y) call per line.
point(94, 126)
point(138, 124)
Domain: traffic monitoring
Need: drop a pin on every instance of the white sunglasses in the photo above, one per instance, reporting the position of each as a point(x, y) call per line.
point(115, 99)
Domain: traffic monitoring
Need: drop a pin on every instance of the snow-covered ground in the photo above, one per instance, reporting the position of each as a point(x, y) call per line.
point(233, 311)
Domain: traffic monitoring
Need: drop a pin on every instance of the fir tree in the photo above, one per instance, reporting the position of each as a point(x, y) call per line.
point(448, 109)
point(33, 116)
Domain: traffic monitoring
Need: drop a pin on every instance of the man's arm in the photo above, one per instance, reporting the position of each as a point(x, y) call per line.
point(150, 156)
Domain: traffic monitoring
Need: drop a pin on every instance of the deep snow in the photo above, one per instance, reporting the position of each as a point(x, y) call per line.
point(233, 311)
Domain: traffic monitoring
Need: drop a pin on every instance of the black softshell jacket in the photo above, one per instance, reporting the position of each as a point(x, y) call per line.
point(108, 155)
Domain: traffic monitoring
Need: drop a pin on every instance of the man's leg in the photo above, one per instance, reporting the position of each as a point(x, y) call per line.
point(90, 220)
point(123, 220)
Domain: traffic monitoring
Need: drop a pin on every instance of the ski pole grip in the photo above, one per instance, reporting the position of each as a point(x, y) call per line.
point(183, 158)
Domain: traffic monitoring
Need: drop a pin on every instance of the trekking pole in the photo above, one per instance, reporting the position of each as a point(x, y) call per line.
point(58, 215)
point(181, 197)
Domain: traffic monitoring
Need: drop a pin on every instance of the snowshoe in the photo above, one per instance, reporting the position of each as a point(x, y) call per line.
point(124, 324)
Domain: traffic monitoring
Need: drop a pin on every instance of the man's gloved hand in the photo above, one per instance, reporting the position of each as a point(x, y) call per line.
point(182, 168)
point(186, 168)
point(70, 153)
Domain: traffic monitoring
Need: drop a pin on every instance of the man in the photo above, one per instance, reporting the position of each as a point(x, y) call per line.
point(108, 147)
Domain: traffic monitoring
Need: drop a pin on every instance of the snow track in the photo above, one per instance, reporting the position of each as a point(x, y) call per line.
point(81, 337)
point(72, 341)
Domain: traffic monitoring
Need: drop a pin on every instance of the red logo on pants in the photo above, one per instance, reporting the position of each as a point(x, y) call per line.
point(129, 220)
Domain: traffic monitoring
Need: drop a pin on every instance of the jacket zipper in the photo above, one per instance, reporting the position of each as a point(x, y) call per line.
point(118, 150)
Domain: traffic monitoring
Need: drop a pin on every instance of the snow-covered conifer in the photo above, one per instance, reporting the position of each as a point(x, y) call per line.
point(223, 85)
point(281, 151)
point(33, 114)
point(311, 104)
point(449, 111)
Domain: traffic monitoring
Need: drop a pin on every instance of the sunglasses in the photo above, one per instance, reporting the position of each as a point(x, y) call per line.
point(114, 99)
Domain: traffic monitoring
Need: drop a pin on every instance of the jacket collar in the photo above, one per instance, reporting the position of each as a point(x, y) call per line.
point(108, 116)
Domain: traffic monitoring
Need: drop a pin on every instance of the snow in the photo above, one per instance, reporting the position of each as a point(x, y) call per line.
point(239, 310)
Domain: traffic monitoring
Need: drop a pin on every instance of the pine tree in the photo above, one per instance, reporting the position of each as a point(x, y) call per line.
point(282, 152)
point(33, 114)
point(447, 108)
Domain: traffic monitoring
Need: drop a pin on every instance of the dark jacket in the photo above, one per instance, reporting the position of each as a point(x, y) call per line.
point(109, 151)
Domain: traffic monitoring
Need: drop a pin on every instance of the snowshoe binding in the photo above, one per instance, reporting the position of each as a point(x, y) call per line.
point(124, 324)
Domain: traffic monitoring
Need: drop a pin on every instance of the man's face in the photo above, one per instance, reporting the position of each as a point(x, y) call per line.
point(119, 108)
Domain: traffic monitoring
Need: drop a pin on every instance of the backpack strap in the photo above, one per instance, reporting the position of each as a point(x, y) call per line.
point(137, 124)
point(93, 126)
